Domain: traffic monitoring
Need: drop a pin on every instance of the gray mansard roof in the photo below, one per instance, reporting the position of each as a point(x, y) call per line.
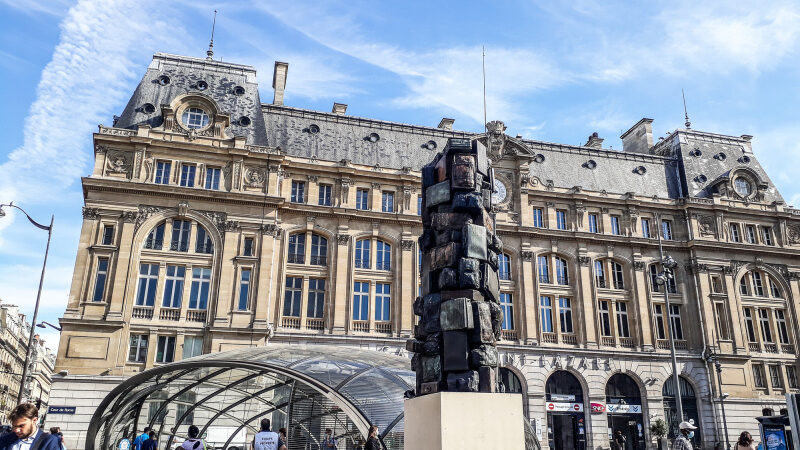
point(685, 163)
point(184, 75)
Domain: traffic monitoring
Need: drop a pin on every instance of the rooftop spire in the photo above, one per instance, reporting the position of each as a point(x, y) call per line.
point(685, 111)
point(210, 52)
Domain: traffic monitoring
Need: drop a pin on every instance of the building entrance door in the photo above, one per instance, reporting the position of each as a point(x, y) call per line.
point(630, 428)
point(565, 429)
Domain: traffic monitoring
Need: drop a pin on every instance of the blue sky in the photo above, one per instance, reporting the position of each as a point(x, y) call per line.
point(556, 71)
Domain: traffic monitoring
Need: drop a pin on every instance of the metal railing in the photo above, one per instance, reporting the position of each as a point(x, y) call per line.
point(787, 348)
point(296, 258)
point(754, 347)
point(770, 347)
point(319, 260)
point(607, 341)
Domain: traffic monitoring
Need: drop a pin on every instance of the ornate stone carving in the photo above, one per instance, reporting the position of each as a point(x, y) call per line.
point(144, 213)
point(183, 208)
point(118, 162)
point(312, 178)
point(375, 185)
point(219, 218)
point(148, 165)
point(90, 213)
point(584, 260)
point(524, 180)
point(407, 244)
point(270, 229)
point(706, 225)
point(342, 239)
point(638, 265)
point(580, 210)
point(231, 225)
point(549, 185)
point(526, 255)
point(407, 190)
point(496, 136)
point(793, 234)
point(129, 216)
point(255, 176)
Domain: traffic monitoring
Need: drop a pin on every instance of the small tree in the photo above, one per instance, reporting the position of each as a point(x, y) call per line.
point(658, 428)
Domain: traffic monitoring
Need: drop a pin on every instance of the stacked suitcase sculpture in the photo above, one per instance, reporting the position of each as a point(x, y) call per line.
point(454, 342)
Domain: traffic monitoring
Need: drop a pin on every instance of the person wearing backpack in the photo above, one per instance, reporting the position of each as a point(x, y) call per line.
point(194, 443)
point(26, 434)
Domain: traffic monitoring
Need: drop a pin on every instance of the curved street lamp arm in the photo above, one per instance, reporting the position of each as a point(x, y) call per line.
point(35, 223)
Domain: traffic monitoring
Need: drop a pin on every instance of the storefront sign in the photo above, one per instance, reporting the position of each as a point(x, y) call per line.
point(562, 397)
point(561, 407)
point(61, 410)
point(598, 408)
point(624, 409)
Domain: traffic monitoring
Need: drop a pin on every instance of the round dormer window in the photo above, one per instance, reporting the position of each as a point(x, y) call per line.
point(742, 186)
point(195, 118)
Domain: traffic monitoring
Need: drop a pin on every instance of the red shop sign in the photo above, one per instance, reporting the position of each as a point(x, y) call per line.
point(598, 408)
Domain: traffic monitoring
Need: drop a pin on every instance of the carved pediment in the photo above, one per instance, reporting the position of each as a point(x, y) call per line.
point(500, 145)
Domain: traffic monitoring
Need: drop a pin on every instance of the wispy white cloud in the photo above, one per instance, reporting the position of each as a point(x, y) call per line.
point(50, 7)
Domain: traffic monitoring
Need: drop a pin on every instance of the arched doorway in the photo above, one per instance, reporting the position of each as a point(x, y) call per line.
point(689, 403)
point(566, 422)
point(624, 410)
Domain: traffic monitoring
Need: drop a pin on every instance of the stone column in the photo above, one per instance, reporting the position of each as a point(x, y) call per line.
point(228, 282)
point(586, 299)
point(528, 297)
point(643, 312)
point(738, 330)
point(408, 287)
point(267, 280)
point(340, 273)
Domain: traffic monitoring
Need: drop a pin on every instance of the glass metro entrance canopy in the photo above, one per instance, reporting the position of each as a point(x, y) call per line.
point(305, 389)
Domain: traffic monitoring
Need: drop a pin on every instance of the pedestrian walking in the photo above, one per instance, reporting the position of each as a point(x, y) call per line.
point(26, 434)
point(372, 439)
point(282, 441)
point(682, 441)
point(266, 439)
point(194, 442)
point(329, 442)
point(137, 442)
point(150, 443)
point(56, 431)
point(619, 440)
point(745, 442)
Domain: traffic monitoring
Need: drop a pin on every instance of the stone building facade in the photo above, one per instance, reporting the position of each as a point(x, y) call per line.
point(14, 333)
point(214, 221)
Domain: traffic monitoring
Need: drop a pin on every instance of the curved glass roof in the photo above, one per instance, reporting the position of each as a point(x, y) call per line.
point(303, 388)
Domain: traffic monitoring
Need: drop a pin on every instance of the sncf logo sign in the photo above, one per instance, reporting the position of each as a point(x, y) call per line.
point(598, 408)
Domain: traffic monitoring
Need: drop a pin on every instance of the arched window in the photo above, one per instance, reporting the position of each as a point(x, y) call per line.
point(319, 250)
point(688, 401)
point(504, 265)
point(383, 256)
point(362, 254)
point(204, 242)
point(757, 283)
point(672, 285)
point(607, 267)
point(155, 239)
point(562, 272)
point(297, 248)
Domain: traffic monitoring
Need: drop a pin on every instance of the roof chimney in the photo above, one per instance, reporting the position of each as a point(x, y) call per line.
point(594, 141)
point(446, 124)
point(339, 108)
point(279, 81)
point(639, 138)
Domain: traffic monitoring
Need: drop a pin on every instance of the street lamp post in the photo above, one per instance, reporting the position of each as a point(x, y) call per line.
point(49, 230)
point(713, 357)
point(667, 266)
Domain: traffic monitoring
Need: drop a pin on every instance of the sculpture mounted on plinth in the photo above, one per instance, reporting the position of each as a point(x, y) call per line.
point(460, 318)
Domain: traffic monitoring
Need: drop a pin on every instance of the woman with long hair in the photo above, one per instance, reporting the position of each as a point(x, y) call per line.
point(372, 439)
point(745, 442)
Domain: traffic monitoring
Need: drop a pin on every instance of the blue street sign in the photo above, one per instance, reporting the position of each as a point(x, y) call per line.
point(61, 410)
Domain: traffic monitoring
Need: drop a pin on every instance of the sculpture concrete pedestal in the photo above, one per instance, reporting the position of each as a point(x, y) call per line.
point(464, 421)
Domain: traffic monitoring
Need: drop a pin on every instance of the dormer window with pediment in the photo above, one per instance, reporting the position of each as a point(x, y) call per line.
point(195, 115)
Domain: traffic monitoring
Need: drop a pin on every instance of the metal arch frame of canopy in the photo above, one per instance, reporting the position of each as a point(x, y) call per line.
point(353, 412)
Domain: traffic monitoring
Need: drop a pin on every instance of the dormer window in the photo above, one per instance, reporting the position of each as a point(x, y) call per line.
point(742, 186)
point(195, 118)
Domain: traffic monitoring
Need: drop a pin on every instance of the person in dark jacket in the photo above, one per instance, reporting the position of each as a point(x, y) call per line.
point(151, 443)
point(26, 434)
point(372, 440)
